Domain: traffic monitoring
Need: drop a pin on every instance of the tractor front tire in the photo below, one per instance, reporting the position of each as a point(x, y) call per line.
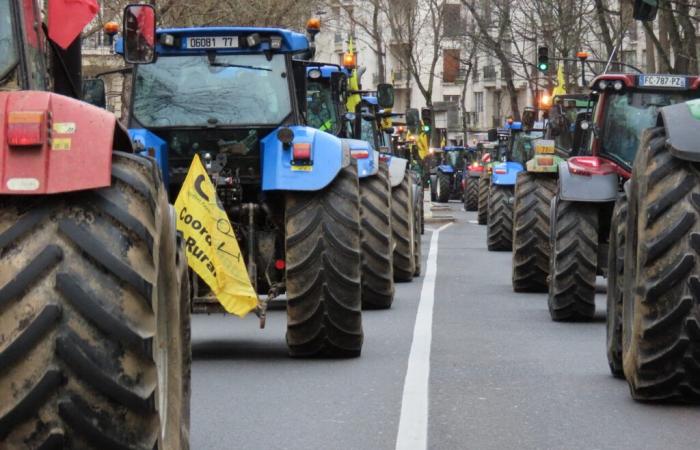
point(531, 248)
point(483, 201)
point(573, 261)
point(471, 193)
point(92, 317)
point(377, 240)
point(323, 253)
point(616, 258)
point(402, 223)
point(442, 189)
point(499, 233)
point(661, 317)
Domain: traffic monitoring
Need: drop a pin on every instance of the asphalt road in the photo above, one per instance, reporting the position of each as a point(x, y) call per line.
point(502, 375)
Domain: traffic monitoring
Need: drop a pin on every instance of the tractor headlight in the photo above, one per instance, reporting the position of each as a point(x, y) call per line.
point(618, 85)
point(602, 85)
point(275, 42)
point(253, 40)
point(314, 74)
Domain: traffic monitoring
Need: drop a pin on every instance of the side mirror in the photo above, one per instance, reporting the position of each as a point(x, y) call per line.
point(94, 92)
point(645, 10)
point(582, 128)
point(385, 95)
point(492, 135)
point(139, 34)
point(413, 120)
point(339, 86)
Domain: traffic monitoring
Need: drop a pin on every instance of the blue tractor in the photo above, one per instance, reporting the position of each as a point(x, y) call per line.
point(499, 223)
point(446, 177)
point(237, 97)
point(327, 92)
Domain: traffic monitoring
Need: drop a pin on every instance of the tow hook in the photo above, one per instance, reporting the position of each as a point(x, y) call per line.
point(261, 309)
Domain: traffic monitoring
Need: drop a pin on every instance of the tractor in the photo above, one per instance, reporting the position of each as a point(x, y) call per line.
point(653, 316)
point(446, 177)
point(501, 191)
point(237, 98)
point(536, 186)
point(590, 201)
point(496, 145)
point(94, 300)
point(407, 191)
point(472, 174)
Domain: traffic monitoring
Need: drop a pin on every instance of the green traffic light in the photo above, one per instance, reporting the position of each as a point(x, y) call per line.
point(543, 67)
point(426, 128)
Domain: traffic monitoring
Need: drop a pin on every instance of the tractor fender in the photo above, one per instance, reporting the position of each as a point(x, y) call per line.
point(148, 144)
point(511, 173)
point(366, 166)
point(397, 170)
point(328, 154)
point(446, 168)
point(417, 189)
point(682, 123)
point(78, 155)
point(586, 188)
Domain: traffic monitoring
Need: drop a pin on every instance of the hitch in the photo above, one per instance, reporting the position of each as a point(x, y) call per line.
point(261, 309)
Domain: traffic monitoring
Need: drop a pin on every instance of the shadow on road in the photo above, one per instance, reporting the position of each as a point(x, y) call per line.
point(240, 349)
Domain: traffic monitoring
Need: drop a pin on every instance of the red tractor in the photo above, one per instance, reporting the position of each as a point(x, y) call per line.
point(94, 300)
point(590, 192)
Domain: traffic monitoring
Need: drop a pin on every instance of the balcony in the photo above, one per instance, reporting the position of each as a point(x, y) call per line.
point(401, 79)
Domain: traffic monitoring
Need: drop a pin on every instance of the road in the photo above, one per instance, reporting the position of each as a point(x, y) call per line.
point(501, 374)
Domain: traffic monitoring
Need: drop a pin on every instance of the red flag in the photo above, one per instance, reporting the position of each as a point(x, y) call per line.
point(67, 18)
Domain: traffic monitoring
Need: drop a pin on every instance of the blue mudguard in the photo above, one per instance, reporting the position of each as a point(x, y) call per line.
point(328, 153)
point(367, 158)
point(446, 168)
point(511, 173)
point(150, 144)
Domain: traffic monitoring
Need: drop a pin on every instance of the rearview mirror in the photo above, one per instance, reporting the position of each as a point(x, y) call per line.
point(339, 86)
point(385, 95)
point(139, 34)
point(94, 92)
point(492, 135)
point(581, 130)
point(412, 120)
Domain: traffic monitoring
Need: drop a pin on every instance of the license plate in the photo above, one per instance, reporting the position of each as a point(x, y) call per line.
point(544, 146)
point(663, 81)
point(212, 42)
point(302, 168)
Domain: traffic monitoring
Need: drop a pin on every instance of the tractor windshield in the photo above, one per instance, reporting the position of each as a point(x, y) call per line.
point(367, 131)
point(190, 91)
point(321, 110)
point(627, 115)
point(8, 47)
point(523, 145)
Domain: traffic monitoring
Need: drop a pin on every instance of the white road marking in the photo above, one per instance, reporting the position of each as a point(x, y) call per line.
point(413, 423)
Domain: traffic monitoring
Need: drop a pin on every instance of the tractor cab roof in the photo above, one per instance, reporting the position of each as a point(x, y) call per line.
point(453, 148)
point(371, 99)
point(324, 71)
point(226, 40)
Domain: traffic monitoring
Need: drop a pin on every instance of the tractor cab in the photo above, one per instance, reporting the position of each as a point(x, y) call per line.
point(562, 120)
point(22, 48)
point(627, 104)
point(326, 94)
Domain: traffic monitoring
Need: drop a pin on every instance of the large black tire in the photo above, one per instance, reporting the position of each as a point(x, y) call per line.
point(661, 317)
point(531, 248)
point(616, 258)
point(573, 261)
point(323, 253)
point(499, 232)
point(483, 201)
point(417, 231)
point(442, 188)
point(402, 225)
point(471, 193)
point(91, 331)
point(377, 240)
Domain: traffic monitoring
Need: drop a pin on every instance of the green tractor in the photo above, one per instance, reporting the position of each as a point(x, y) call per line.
point(535, 187)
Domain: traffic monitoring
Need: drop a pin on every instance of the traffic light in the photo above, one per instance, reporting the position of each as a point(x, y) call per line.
point(426, 116)
point(543, 59)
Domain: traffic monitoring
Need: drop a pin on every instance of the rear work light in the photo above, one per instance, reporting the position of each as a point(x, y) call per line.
point(359, 154)
point(26, 129)
point(545, 160)
point(301, 153)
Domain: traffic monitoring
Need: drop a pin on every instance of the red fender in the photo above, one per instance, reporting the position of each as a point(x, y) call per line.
point(67, 144)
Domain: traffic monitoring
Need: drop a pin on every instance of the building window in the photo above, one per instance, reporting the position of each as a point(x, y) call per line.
point(450, 65)
point(479, 102)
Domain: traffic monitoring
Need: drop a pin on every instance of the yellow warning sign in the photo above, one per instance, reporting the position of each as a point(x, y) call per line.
point(61, 144)
point(210, 241)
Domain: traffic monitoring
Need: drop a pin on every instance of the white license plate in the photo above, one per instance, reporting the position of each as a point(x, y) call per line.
point(663, 81)
point(212, 42)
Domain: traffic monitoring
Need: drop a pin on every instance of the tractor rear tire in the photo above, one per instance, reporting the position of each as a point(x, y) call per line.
point(500, 219)
point(417, 232)
point(402, 218)
point(471, 193)
point(323, 253)
point(661, 317)
point(442, 189)
point(92, 327)
point(377, 240)
point(483, 201)
point(616, 258)
point(531, 248)
point(573, 261)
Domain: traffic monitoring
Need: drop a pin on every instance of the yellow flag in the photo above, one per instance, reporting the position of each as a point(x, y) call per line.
point(211, 245)
point(560, 89)
point(423, 147)
point(353, 83)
